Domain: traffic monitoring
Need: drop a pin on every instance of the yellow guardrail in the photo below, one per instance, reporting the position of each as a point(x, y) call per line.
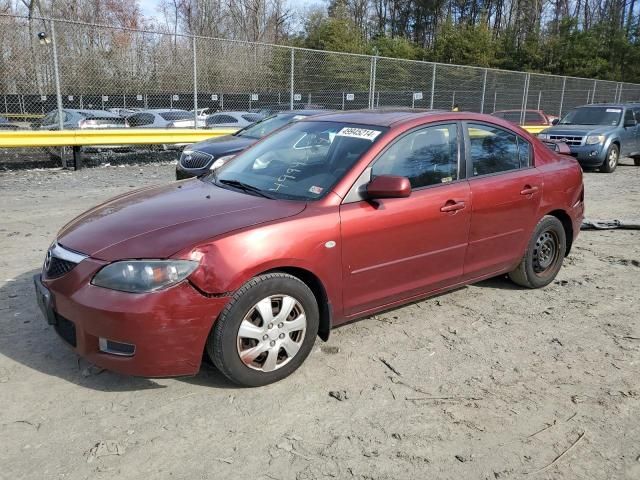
point(116, 136)
point(124, 136)
point(535, 129)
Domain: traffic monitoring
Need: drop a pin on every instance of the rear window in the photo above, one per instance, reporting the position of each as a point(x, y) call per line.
point(252, 117)
point(177, 116)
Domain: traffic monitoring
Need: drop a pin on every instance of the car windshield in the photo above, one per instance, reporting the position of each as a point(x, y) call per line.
point(593, 116)
point(266, 126)
point(301, 162)
point(177, 115)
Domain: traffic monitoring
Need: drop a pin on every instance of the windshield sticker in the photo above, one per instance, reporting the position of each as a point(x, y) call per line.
point(359, 133)
point(316, 190)
point(613, 110)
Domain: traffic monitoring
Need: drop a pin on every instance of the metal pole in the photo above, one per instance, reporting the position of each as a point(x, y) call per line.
point(593, 96)
point(370, 83)
point(525, 98)
point(433, 86)
point(620, 92)
point(495, 99)
point(343, 101)
point(293, 64)
point(195, 84)
point(373, 80)
point(484, 89)
point(56, 73)
point(539, 98)
point(453, 99)
point(564, 83)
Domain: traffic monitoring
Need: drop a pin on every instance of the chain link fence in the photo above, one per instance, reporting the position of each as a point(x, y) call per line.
point(47, 65)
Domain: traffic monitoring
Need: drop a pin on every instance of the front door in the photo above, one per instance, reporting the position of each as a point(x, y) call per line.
point(506, 190)
point(397, 248)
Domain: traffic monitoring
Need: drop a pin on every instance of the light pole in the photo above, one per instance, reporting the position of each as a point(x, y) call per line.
point(44, 39)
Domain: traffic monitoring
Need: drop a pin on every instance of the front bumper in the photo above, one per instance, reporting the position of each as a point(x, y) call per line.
point(589, 155)
point(168, 328)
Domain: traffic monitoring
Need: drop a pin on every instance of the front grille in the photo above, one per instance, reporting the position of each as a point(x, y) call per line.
point(66, 329)
point(195, 159)
point(58, 267)
point(569, 140)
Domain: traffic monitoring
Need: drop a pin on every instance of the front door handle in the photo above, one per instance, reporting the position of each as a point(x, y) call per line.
point(452, 206)
point(528, 190)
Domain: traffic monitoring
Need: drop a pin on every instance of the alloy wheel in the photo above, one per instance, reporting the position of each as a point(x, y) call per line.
point(612, 158)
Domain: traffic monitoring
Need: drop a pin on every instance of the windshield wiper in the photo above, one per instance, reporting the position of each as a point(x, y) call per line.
point(245, 187)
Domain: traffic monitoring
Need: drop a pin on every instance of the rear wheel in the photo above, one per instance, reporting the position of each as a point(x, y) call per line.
point(543, 258)
point(266, 331)
point(611, 161)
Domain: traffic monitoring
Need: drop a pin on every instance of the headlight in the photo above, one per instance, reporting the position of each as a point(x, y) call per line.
point(593, 139)
point(543, 136)
point(139, 276)
point(221, 161)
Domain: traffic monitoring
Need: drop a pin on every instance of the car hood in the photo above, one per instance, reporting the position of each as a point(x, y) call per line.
point(157, 222)
point(225, 145)
point(578, 130)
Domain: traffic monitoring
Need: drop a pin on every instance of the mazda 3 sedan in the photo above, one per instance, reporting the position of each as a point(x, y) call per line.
point(327, 220)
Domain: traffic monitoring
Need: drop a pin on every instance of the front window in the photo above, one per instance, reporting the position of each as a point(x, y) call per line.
point(301, 162)
point(266, 126)
point(593, 116)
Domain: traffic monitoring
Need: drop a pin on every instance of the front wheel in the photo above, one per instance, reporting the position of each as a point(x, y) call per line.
point(611, 161)
point(266, 330)
point(543, 258)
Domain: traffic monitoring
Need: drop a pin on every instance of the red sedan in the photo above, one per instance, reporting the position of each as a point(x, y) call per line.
point(327, 220)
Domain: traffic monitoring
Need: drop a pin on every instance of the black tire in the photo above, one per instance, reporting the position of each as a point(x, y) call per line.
point(611, 159)
point(223, 344)
point(543, 258)
point(636, 161)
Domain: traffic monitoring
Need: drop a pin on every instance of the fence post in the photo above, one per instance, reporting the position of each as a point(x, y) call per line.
point(370, 82)
point(56, 74)
point(195, 83)
point(620, 93)
point(484, 89)
point(293, 63)
point(433, 86)
point(373, 79)
point(539, 99)
point(593, 95)
point(525, 97)
point(564, 83)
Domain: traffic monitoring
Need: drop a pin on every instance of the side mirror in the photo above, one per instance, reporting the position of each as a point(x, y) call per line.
point(388, 186)
point(555, 121)
point(630, 123)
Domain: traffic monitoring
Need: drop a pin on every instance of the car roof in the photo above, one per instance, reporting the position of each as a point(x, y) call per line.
point(305, 112)
point(231, 112)
point(95, 113)
point(600, 105)
point(518, 110)
point(163, 110)
point(380, 117)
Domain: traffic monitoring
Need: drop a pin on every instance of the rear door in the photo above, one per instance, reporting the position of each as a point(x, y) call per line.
point(628, 135)
point(397, 248)
point(506, 189)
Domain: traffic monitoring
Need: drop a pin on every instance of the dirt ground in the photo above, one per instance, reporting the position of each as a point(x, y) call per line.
point(487, 382)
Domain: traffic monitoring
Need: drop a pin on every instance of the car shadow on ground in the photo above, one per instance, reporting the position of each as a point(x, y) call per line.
point(26, 338)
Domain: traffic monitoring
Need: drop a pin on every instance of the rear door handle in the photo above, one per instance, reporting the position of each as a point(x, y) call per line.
point(452, 206)
point(528, 190)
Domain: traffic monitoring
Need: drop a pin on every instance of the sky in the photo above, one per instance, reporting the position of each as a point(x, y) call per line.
point(150, 7)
